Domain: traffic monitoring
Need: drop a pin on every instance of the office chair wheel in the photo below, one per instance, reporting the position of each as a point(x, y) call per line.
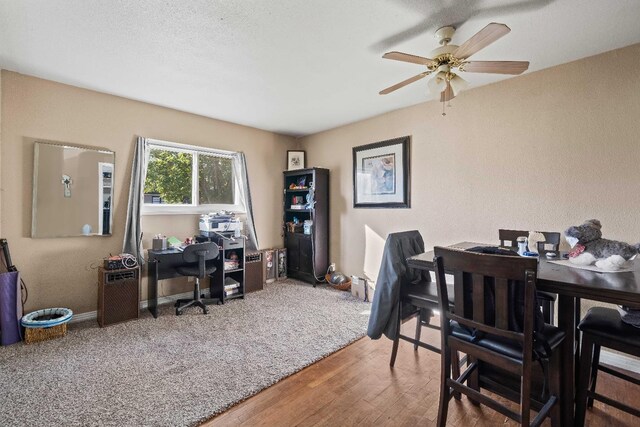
point(178, 312)
point(205, 311)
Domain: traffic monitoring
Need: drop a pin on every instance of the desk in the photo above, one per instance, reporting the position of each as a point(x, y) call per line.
point(162, 265)
point(569, 283)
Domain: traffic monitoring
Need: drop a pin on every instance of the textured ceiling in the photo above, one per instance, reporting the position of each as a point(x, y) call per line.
point(289, 66)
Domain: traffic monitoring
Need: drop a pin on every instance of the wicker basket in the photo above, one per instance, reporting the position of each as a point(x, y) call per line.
point(33, 335)
point(340, 286)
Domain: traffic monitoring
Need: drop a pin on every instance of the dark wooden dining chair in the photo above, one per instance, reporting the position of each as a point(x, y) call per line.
point(497, 324)
point(603, 327)
point(418, 294)
point(508, 239)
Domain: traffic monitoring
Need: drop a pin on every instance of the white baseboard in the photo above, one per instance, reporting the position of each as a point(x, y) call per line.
point(620, 361)
point(143, 305)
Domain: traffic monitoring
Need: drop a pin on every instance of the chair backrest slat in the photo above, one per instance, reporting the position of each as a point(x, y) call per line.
point(458, 291)
point(478, 293)
point(487, 265)
point(516, 336)
point(502, 303)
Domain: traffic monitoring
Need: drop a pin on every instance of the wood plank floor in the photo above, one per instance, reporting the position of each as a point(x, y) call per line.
point(356, 386)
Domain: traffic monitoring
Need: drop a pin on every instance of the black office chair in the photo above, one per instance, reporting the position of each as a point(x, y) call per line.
point(195, 257)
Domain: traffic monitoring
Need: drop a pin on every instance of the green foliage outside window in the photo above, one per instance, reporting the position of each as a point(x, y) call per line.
point(169, 174)
point(215, 180)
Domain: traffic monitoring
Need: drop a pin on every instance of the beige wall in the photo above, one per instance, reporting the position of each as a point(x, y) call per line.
point(1, 72)
point(541, 151)
point(62, 271)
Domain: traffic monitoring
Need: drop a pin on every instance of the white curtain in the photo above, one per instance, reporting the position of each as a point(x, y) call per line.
point(133, 232)
point(242, 179)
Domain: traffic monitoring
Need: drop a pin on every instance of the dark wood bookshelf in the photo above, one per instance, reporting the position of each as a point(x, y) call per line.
point(308, 254)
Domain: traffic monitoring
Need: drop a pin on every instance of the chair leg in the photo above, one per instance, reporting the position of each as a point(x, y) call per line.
point(473, 381)
point(525, 400)
point(583, 379)
point(196, 301)
point(423, 314)
point(594, 373)
point(445, 393)
point(555, 370)
point(394, 350)
point(455, 371)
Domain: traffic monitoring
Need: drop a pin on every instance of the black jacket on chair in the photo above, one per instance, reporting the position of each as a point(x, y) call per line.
point(392, 276)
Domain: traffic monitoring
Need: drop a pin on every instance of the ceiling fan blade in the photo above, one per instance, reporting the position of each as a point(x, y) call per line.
point(481, 39)
point(496, 67)
point(405, 57)
point(404, 83)
point(447, 94)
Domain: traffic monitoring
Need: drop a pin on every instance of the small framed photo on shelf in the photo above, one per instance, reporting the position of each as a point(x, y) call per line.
point(295, 160)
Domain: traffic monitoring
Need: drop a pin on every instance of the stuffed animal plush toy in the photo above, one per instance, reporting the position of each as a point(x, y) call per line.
point(589, 247)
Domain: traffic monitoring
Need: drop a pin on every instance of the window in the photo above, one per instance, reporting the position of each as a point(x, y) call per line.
point(186, 179)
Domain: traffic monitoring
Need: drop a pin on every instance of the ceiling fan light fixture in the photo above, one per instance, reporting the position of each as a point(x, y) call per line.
point(458, 84)
point(438, 83)
point(448, 59)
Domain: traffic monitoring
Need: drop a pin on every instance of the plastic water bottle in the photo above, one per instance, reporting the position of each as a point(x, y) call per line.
point(307, 226)
point(522, 245)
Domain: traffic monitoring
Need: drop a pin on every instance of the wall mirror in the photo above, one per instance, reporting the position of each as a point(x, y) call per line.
point(72, 191)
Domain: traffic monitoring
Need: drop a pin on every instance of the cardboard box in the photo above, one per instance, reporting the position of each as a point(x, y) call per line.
point(362, 288)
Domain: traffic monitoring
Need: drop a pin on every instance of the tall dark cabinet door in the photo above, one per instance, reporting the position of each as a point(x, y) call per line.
point(292, 245)
point(306, 223)
point(306, 256)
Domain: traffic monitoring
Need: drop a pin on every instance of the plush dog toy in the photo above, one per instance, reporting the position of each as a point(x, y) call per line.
point(589, 247)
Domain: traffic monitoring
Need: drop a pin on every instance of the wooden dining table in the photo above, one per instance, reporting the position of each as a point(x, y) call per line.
point(570, 284)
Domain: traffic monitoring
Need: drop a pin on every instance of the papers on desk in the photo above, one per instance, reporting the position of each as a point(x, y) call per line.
point(568, 263)
point(174, 242)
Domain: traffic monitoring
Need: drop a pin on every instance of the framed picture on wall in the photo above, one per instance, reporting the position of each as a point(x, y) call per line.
point(295, 160)
point(381, 176)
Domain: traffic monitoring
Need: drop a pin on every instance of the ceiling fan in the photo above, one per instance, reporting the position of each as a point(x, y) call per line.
point(444, 61)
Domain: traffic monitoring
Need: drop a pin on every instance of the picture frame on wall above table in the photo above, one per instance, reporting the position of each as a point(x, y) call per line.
point(296, 160)
point(381, 174)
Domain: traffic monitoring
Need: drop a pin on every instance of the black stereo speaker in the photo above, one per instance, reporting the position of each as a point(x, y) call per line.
point(118, 295)
point(253, 272)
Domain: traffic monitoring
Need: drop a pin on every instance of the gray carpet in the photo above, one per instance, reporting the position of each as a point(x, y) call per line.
point(175, 371)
